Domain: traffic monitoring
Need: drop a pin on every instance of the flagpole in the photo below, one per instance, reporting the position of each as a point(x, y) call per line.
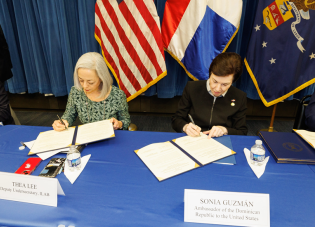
point(272, 118)
point(270, 129)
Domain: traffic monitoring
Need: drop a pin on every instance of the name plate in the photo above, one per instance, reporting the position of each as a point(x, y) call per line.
point(227, 208)
point(29, 189)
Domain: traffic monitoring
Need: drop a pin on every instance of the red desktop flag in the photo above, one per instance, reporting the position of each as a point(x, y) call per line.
point(130, 37)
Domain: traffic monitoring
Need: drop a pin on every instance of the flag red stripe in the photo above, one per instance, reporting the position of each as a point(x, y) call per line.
point(147, 16)
point(142, 40)
point(111, 62)
point(111, 39)
point(173, 13)
point(128, 45)
point(107, 55)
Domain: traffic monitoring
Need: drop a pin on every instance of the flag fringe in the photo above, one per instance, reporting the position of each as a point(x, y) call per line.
point(161, 76)
point(228, 44)
point(179, 62)
point(157, 79)
point(267, 104)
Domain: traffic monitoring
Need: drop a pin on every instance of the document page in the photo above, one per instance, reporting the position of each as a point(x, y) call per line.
point(203, 149)
point(307, 136)
point(165, 160)
point(52, 140)
point(95, 131)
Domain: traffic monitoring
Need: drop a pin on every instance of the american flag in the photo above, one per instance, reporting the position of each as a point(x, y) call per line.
point(130, 37)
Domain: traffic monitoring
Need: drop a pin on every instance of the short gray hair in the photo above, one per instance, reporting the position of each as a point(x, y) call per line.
point(93, 60)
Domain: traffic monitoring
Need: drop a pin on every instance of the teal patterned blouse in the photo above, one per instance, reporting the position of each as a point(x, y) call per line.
point(115, 105)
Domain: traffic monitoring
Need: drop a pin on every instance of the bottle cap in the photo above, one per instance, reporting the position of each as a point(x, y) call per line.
point(259, 142)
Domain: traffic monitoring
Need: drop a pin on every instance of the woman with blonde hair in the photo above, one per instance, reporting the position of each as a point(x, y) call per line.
point(93, 97)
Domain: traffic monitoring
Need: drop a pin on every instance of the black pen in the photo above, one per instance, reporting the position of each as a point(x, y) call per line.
point(62, 122)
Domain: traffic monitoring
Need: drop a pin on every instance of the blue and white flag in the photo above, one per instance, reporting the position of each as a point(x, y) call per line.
point(195, 31)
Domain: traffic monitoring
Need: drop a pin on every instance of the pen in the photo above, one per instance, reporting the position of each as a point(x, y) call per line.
point(191, 119)
point(62, 122)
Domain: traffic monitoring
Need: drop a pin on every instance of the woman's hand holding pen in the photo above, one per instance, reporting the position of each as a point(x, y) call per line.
point(192, 130)
point(58, 126)
point(216, 131)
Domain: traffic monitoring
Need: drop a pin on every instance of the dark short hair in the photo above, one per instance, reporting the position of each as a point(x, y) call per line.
point(226, 64)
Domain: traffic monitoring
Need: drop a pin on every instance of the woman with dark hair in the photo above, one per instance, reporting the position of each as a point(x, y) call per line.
point(216, 107)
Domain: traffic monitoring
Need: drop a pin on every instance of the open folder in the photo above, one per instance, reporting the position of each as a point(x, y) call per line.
point(308, 136)
point(82, 134)
point(172, 158)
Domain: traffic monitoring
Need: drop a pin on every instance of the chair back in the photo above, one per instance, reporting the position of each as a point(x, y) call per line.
point(299, 122)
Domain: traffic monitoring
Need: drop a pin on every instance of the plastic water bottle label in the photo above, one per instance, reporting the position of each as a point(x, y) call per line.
point(74, 162)
point(257, 157)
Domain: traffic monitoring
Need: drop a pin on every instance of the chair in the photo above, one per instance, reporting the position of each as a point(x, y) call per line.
point(299, 122)
point(16, 120)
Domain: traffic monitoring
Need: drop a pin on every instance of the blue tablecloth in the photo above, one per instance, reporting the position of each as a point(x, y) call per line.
point(117, 189)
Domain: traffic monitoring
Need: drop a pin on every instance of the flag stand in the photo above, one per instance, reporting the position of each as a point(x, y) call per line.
point(270, 129)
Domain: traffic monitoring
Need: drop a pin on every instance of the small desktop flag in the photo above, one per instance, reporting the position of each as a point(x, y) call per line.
point(281, 54)
point(129, 34)
point(195, 31)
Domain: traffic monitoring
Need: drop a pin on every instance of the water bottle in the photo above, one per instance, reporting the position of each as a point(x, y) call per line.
point(74, 159)
point(257, 153)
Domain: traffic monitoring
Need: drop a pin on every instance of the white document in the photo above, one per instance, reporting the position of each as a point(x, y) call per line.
point(30, 144)
point(72, 176)
point(203, 149)
point(47, 154)
point(95, 131)
point(30, 189)
point(227, 208)
point(165, 160)
point(307, 136)
point(52, 140)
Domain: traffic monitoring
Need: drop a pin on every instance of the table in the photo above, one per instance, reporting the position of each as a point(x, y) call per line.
point(117, 189)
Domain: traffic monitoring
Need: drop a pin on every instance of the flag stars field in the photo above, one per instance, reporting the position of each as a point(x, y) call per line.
point(264, 44)
point(272, 61)
point(257, 27)
point(275, 54)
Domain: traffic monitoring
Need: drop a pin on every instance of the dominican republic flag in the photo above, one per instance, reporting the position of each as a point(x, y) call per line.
point(195, 31)
point(281, 53)
point(129, 34)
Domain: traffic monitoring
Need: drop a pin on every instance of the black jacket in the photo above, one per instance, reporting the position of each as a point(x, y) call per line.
point(5, 60)
point(5, 73)
point(197, 102)
point(310, 114)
